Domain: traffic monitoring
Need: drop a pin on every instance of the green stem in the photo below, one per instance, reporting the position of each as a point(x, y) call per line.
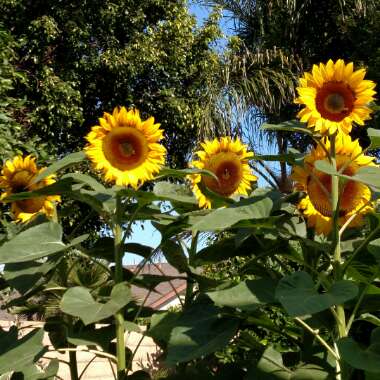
point(119, 316)
point(192, 253)
point(315, 333)
point(340, 314)
point(73, 365)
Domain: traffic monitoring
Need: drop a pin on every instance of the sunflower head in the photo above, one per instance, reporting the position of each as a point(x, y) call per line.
point(335, 96)
point(17, 176)
point(355, 197)
point(228, 160)
point(125, 148)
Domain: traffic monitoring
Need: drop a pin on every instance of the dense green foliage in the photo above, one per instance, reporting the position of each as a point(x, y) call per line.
point(79, 59)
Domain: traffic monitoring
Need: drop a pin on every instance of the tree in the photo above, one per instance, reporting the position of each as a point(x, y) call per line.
point(83, 58)
point(276, 40)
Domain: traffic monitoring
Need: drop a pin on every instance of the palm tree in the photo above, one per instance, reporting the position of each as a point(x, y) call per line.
point(275, 40)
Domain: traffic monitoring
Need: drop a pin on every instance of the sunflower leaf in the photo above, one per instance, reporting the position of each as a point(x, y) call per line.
point(62, 186)
point(290, 158)
point(78, 301)
point(297, 294)
point(354, 355)
point(173, 192)
point(374, 135)
point(369, 175)
point(259, 207)
point(168, 172)
point(20, 353)
point(69, 160)
point(38, 241)
point(289, 126)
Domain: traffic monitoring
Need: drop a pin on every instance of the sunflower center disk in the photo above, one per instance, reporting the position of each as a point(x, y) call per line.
point(228, 168)
point(335, 101)
point(125, 148)
point(319, 190)
point(31, 205)
point(21, 180)
point(128, 149)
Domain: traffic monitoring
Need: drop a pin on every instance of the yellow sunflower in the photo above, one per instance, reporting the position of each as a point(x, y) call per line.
point(228, 160)
point(335, 96)
point(17, 176)
point(125, 148)
point(355, 197)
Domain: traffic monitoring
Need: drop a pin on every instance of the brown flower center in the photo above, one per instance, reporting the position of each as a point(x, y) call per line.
point(31, 206)
point(125, 148)
point(335, 101)
point(228, 168)
point(21, 181)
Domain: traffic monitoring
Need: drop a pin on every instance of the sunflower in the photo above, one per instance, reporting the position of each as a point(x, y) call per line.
point(228, 160)
point(355, 197)
point(17, 175)
point(125, 148)
point(335, 96)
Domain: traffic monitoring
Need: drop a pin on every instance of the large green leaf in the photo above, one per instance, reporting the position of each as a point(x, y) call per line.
point(92, 336)
point(180, 173)
point(298, 295)
point(79, 302)
point(271, 367)
point(139, 249)
point(100, 201)
point(63, 186)
point(174, 192)
point(218, 251)
point(23, 276)
point(231, 247)
point(38, 241)
point(34, 372)
point(20, 354)
point(69, 160)
point(199, 331)
point(290, 158)
point(289, 126)
point(161, 326)
point(150, 281)
point(374, 248)
point(85, 180)
point(103, 248)
point(174, 254)
point(374, 135)
point(357, 357)
point(369, 175)
point(226, 217)
point(247, 295)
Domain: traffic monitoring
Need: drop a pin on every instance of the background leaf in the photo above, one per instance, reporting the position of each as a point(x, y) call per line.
point(38, 241)
point(297, 294)
point(79, 302)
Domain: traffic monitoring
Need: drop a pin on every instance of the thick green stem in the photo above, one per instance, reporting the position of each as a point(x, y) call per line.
point(337, 264)
point(73, 365)
point(119, 316)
